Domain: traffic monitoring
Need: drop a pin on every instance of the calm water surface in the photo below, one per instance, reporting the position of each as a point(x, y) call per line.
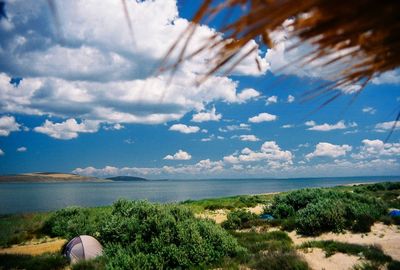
point(30, 197)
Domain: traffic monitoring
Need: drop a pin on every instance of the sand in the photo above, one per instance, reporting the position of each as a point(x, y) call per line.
point(220, 215)
point(317, 260)
point(384, 236)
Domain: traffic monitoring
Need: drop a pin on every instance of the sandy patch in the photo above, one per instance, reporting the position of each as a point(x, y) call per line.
point(220, 215)
point(386, 237)
point(35, 248)
point(317, 260)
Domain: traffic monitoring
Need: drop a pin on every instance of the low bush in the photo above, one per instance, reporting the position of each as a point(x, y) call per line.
point(73, 221)
point(318, 210)
point(240, 219)
point(139, 234)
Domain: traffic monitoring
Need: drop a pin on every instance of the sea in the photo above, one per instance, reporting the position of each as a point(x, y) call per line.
point(35, 197)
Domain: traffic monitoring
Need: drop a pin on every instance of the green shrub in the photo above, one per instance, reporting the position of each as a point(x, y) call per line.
point(394, 265)
point(239, 219)
point(73, 221)
point(324, 215)
point(153, 236)
point(289, 224)
point(95, 264)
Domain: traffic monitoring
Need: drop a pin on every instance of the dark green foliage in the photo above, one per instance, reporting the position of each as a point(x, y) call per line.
point(271, 241)
point(320, 210)
point(371, 253)
point(240, 219)
point(41, 262)
point(74, 221)
point(394, 265)
point(95, 264)
point(143, 235)
point(367, 266)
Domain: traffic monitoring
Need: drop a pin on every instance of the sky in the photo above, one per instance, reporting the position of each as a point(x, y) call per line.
point(79, 93)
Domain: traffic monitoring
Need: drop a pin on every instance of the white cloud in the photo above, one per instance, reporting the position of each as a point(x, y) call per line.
point(8, 125)
point(1, 152)
point(287, 126)
point(22, 149)
point(327, 127)
point(129, 141)
point(389, 77)
point(324, 149)
point(271, 100)
point(247, 94)
point(184, 128)
point(262, 117)
point(376, 149)
point(206, 116)
point(387, 126)
point(290, 99)
point(369, 110)
point(68, 129)
point(249, 138)
point(203, 167)
point(102, 74)
point(116, 126)
point(241, 126)
point(270, 152)
point(180, 155)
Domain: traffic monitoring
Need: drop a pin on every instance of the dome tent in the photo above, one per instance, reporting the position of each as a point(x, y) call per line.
point(83, 247)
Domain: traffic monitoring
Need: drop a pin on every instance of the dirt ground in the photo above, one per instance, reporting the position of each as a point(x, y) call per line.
point(317, 260)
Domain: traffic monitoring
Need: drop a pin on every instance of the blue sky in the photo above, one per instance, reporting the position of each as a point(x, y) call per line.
point(89, 102)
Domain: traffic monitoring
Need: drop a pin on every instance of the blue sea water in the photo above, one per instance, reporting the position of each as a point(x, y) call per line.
point(32, 197)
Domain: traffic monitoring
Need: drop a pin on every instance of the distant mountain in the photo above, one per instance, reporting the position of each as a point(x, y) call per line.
point(48, 177)
point(127, 178)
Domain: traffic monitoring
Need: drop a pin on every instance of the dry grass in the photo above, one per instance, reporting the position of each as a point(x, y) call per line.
point(35, 248)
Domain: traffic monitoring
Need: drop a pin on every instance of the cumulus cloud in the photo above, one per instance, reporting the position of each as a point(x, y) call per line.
point(376, 149)
point(116, 126)
point(369, 110)
point(69, 129)
point(387, 126)
point(389, 77)
point(211, 138)
point(101, 74)
point(262, 117)
point(207, 116)
point(324, 149)
point(184, 128)
point(249, 138)
point(22, 149)
point(203, 167)
point(327, 127)
point(247, 94)
point(1, 152)
point(269, 151)
point(290, 99)
point(8, 125)
point(271, 100)
point(180, 155)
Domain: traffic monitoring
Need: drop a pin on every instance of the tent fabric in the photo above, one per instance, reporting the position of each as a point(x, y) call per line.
point(394, 213)
point(83, 247)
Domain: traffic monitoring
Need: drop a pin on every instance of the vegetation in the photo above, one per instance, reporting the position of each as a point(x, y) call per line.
point(228, 202)
point(240, 219)
point(15, 229)
point(271, 250)
point(139, 234)
point(42, 262)
point(319, 210)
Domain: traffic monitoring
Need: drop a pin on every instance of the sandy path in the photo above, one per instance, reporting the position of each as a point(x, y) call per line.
point(387, 237)
point(35, 248)
point(317, 260)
